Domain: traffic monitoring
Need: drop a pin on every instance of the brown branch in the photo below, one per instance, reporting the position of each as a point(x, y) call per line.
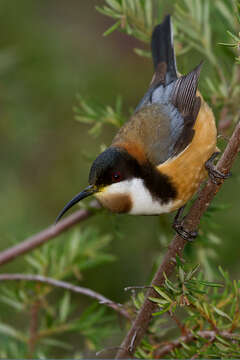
point(33, 328)
point(47, 234)
point(65, 285)
point(191, 222)
point(166, 349)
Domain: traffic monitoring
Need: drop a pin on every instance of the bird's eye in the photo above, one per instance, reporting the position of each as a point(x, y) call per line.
point(116, 176)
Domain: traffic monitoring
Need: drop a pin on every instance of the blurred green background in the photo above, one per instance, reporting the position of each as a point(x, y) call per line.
point(49, 52)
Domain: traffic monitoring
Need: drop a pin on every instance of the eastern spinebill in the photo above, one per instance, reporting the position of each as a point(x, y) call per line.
point(157, 160)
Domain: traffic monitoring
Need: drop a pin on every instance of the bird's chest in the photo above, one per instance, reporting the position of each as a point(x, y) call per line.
point(144, 203)
point(132, 197)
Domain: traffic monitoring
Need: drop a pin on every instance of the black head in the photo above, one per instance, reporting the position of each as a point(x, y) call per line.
point(115, 165)
point(111, 166)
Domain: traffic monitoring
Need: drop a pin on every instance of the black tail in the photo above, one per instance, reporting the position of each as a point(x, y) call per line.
point(163, 51)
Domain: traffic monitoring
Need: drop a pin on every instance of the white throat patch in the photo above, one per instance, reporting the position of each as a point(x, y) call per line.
point(142, 201)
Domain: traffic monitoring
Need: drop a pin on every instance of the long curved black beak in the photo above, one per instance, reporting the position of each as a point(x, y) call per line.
point(91, 189)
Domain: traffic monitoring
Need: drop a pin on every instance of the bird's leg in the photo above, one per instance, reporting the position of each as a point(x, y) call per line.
point(215, 175)
point(178, 227)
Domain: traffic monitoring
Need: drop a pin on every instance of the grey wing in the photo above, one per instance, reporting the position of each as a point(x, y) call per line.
point(161, 125)
point(178, 107)
point(173, 101)
point(149, 131)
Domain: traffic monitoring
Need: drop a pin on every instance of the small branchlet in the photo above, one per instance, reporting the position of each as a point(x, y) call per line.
point(97, 116)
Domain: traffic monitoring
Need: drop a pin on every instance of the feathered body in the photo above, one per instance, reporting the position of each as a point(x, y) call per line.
point(157, 159)
point(172, 131)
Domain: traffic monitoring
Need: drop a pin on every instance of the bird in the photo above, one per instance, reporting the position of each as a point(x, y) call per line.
point(161, 155)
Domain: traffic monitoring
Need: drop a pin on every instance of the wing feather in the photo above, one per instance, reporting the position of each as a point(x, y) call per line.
point(162, 125)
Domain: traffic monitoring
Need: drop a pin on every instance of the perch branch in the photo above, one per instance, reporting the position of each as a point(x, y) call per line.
point(67, 286)
point(191, 222)
point(47, 234)
point(166, 349)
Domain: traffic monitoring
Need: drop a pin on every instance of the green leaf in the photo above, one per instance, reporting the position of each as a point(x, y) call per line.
point(194, 289)
point(56, 343)
point(192, 272)
point(108, 12)
point(90, 317)
point(210, 283)
point(17, 305)
point(112, 28)
point(234, 37)
point(162, 293)
point(136, 302)
point(226, 44)
point(224, 11)
point(6, 329)
point(181, 274)
point(158, 301)
point(114, 4)
point(223, 341)
point(221, 313)
point(185, 346)
point(34, 263)
point(171, 286)
point(74, 244)
point(64, 307)
point(221, 347)
point(192, 298)
point(143, 53)
point(162, 311)
point(148, 12)
point(223, 273)
point(206, 309)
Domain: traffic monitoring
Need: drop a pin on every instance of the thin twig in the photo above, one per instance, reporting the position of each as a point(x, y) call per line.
point(65, 285)
point(178, 323)
point(177, 245)
point(47, 234)
point(204, 348)
point(166, 349)
point(205, 316)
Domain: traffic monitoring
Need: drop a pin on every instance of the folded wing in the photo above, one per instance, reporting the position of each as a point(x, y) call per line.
point(162, 125)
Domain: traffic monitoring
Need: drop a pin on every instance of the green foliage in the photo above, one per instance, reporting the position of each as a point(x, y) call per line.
point(80, 252)
point(133, 17)
point(197, 307)
point(196, 17)
point(96, 116)
point(235, 39)
point(56, 316)
point(195, 32)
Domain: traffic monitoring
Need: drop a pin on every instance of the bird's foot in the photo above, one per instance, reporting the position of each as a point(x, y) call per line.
point(179, 228)
point(215, 175)
point(184, 233)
